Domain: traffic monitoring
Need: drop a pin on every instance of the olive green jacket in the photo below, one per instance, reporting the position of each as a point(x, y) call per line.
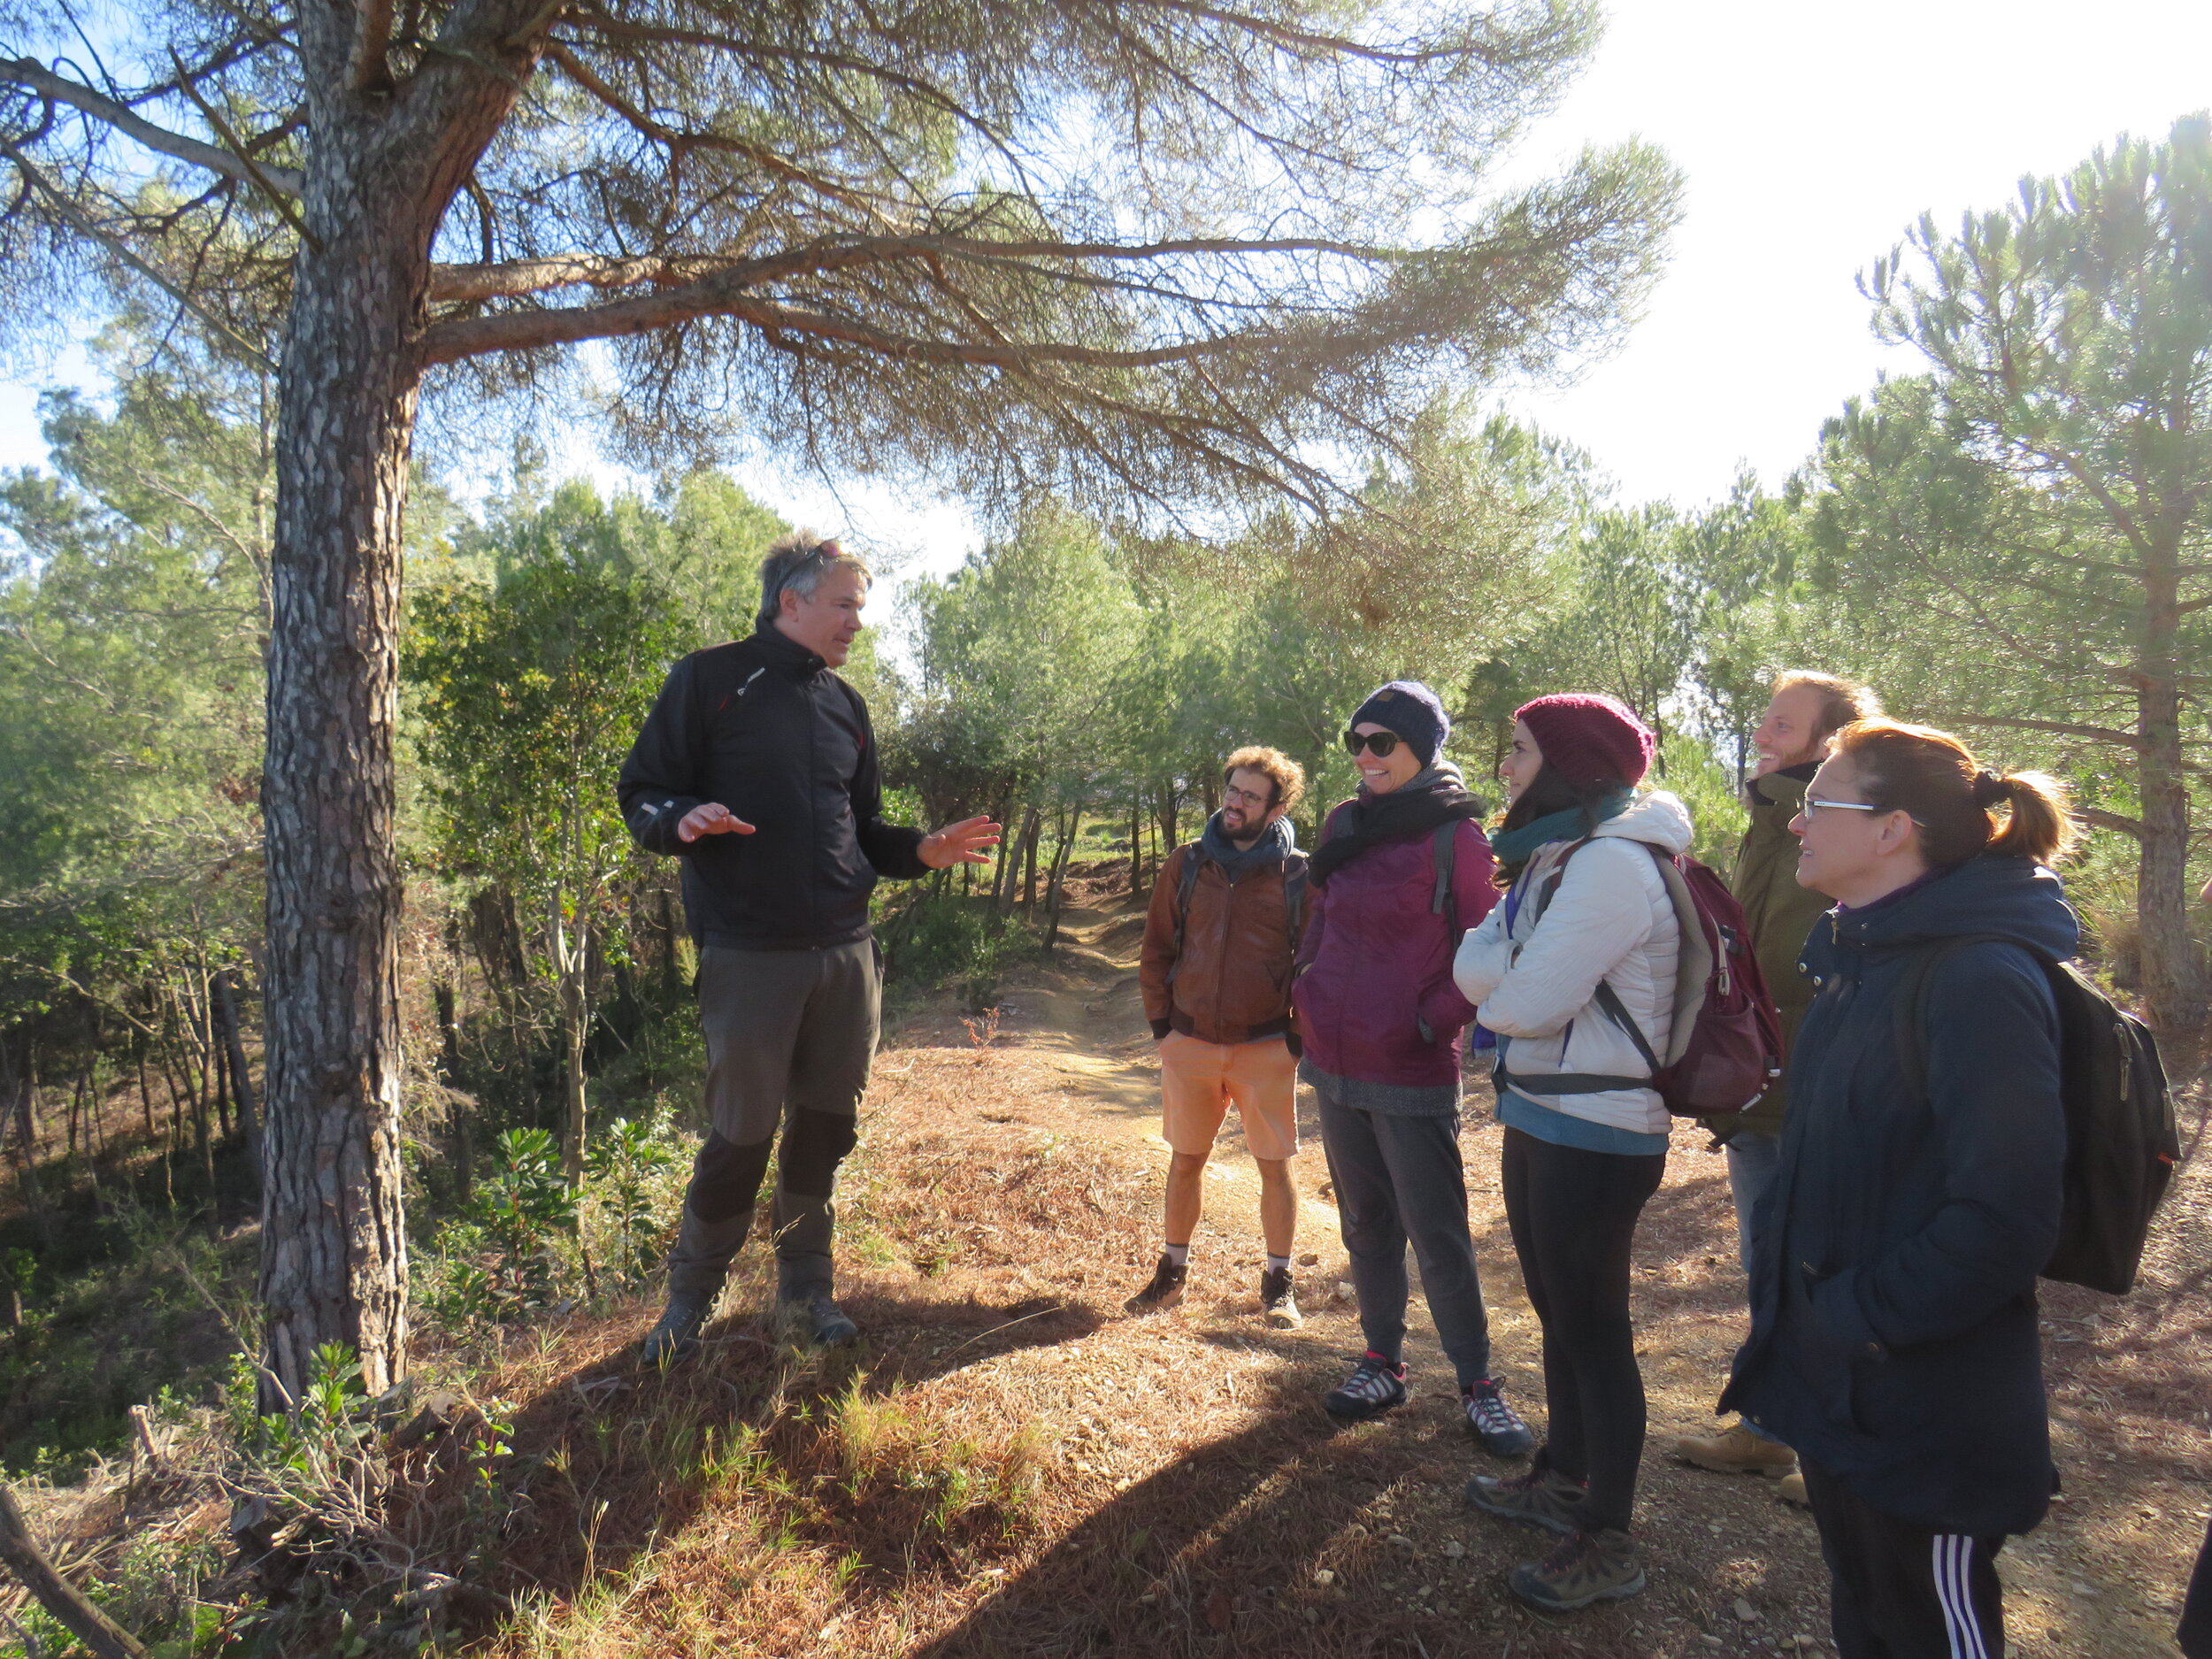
point(1781, 915)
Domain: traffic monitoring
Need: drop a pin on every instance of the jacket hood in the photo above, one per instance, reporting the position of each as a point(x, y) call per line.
point(1657, 816)
point(2010, 899)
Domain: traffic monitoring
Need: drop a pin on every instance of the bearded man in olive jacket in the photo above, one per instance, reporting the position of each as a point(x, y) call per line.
point(1803, 714)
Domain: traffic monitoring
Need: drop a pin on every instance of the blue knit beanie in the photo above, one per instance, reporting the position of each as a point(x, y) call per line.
point(1413, 711)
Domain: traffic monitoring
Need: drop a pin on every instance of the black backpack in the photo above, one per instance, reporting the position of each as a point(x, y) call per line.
point(2121, 1144)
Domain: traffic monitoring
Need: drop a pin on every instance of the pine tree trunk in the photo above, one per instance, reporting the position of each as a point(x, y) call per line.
point(2173, 978)
point(334, 1264)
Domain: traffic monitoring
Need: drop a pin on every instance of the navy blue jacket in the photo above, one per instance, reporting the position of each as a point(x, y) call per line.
point(1894, 1327)
point(762, 727)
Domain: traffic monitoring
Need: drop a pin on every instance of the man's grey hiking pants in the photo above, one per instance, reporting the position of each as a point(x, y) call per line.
point(790, 1035)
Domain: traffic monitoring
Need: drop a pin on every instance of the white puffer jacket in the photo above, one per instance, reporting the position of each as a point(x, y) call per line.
point(1534, 977)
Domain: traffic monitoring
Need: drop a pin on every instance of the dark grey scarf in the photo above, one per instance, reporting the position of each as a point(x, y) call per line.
point(1276, 843)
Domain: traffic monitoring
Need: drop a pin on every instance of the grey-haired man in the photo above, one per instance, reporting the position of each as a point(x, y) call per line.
point(757, 768)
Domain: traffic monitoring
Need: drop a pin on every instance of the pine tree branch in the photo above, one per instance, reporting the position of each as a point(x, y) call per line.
point(719, 296)
point(61, 206)
point(370, 71)
point(255, 172)
point(25, 72)
point(2061, 728)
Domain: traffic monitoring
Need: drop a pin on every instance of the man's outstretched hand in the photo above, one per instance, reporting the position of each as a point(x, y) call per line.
point(967, 843)
point(713, 818)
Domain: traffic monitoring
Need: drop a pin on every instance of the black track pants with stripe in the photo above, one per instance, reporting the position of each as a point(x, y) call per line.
point(1900, 1591)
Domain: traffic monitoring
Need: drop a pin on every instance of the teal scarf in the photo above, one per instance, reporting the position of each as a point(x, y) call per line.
point(1515, 846)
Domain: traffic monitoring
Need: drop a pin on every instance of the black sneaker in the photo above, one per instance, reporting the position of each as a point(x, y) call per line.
point(675, 1337)
point(1374, 1386)
point(1492, 1422)
point(1278, 1306)
point(824, 1322)
point(1164, 1291)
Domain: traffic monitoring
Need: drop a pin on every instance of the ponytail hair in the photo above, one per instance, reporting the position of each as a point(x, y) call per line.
point(1956, 800)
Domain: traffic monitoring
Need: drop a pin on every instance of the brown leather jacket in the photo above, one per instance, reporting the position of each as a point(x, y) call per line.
point(1233, 982)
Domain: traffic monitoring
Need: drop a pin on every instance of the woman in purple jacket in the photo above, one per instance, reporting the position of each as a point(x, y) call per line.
point(1403, 872)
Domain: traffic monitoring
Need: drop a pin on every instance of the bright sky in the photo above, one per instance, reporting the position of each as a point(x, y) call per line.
point(1811, 136)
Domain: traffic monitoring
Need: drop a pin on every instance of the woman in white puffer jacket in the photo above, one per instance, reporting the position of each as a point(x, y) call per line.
point(1584, 945)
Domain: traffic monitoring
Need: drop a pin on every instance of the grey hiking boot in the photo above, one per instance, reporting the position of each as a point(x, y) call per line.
point(1278, 1306)
point(1164, 1291)
point(1600, 1566)
point(1542, 1497)
point(1492, 1422)
point(675, 1338)
point(824, 1324)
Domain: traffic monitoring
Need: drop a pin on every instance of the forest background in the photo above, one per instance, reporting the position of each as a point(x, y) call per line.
point(2012, 542)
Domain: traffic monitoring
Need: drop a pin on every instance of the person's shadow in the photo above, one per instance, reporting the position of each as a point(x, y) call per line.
point(612, 1457)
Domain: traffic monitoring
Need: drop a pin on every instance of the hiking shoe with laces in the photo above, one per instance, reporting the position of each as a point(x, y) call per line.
point(675, 1336)
point(824, 1323)
point(1164, 1291)
point(1600, 1566)
point(1542, 1497)
point(1278, 1306)
point(1739, 1451)
point(1374, 1387)
point(1492, 1422)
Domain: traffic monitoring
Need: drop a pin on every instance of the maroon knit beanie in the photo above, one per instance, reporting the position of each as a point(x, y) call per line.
point(1588, 739)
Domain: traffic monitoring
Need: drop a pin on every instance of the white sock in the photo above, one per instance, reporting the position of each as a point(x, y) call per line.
point(1178, 1254)
point(1279, 1263)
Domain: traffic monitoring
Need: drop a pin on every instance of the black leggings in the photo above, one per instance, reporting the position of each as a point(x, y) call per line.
point(1573, 1216)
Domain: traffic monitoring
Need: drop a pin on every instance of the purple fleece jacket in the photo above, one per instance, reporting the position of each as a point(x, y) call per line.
point(1376, 963)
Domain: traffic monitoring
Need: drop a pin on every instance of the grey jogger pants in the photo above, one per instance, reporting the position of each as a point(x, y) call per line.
point(1399, 1179)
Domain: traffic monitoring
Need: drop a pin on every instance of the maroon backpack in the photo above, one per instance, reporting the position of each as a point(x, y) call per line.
point(1726, 1047)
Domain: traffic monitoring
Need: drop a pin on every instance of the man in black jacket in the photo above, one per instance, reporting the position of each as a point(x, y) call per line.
point(757, 768)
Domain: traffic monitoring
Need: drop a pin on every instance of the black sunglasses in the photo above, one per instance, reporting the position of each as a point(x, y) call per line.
point(1378, 743)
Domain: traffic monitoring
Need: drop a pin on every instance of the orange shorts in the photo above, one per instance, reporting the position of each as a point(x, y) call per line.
point(1199, 1079)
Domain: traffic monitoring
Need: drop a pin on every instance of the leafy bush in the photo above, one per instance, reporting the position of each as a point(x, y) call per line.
point(625, 1165)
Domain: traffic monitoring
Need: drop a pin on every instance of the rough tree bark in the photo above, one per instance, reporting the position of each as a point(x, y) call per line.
point(382, 169)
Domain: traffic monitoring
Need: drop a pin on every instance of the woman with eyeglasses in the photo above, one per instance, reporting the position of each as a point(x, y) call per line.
point(1575, 974)
point(1893, 1322)
point(1402, 872)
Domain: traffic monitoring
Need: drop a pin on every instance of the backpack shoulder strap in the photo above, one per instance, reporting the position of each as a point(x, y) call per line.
point(1912, 1003)
point(1552, 877)
point(1445, 843)
point(1187, 883)
point(1295, 881)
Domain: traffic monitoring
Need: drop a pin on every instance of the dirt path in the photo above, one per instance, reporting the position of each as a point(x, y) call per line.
point(2102, 1578)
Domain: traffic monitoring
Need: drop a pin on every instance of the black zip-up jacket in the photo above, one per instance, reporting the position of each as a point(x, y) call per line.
point(762, 727)
point(1893, 1325)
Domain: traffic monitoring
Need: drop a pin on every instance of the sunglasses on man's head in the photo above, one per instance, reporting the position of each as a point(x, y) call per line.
point(1378, 743)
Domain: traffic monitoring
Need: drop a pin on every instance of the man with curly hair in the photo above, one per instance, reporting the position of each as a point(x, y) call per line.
point(1218, 942)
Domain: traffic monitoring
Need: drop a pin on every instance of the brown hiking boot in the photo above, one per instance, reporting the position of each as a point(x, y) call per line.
point(1164, 1291)
point(1793, 1490)
point(1587, 1567)
point(1737, 1452)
